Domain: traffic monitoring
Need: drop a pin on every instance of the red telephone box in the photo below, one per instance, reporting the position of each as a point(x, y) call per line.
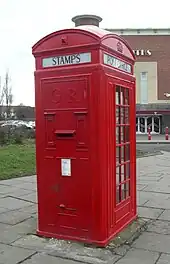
point(85, 134)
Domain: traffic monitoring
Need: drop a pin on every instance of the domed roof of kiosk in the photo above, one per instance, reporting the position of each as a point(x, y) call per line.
point(95, 32)
point(102, 33)
point(99, 32)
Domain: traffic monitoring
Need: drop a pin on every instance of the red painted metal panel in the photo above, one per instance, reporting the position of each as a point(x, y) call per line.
point(85, 136)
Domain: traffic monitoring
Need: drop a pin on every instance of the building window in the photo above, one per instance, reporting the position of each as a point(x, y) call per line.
point(144, 88)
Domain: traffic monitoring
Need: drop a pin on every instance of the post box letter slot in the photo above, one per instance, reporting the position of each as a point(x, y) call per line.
point(65, 133)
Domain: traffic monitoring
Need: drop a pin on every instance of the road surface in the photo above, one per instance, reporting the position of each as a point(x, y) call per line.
point(153, 147)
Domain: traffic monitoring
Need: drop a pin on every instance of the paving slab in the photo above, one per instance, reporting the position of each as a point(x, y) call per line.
point(19, 180)
point(12, 182)
point(159, 227)
point(13, 255)
point(13, 217)
point(44, 259)
point(141, 186)
point(134, 256)
point(148, 181)
point(29, 209)
point(12, 203)
point(71, 251)
point(144, 197)
point(151, 213)
point(33, 242)
point(8, 234)
point(164, 259)
point(153, 242)
point(2, 210)
point(161, 187)
point(165, 215)
point(13, 191)
point(4, 189)
point(18, 193)
point(84, 254)
point(31, 197)
point(150, 175)
point(141, 199)
point(80, 252)
point(27, 186)
point(19, 183)
point(155, 202)
point(143, 181)
point(26, 227)
point(151, 245)
point(152, 179)
point(32, 178)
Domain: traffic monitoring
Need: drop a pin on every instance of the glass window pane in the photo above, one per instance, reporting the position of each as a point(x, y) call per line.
point(118, 173)
point(118, 130)
point(118, 98)
point(122, 134)
point(127, 152)
point(127, 133)
point(143, 88)
point(143, 76)
point(127, 189)
point(123, 195)
point(119, 134)
point(126, 96)
point(119, 154)
point(119, 95)
point(127, 170)
point(122, 173)
point(121, 98)
point(122, 137)
point(122, 115)
point(118, 115)
point(118, 194)
point(126, 115)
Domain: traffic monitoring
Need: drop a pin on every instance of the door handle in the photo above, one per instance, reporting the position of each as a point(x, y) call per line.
point(62, 206)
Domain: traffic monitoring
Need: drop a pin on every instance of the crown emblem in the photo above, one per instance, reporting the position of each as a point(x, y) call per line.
point(119, 47)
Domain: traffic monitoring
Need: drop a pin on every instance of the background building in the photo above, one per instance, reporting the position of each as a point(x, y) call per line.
point(152, 71)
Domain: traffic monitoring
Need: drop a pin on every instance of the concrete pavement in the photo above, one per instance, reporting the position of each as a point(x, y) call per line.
point(155, 139)
point(153, 142)
point(19, 244)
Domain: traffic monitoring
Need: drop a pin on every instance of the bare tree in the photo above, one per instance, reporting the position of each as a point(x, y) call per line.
point(1, 99)
point(6, 96)
point(0, 88)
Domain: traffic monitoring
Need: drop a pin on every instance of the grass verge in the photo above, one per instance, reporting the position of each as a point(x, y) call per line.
point(17, 160)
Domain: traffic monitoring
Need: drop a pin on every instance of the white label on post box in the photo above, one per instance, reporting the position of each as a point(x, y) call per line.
point(116, 63)
point(66, 167)
point(67, 60)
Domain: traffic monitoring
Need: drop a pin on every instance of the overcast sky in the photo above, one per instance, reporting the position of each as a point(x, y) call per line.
point(24, 22)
